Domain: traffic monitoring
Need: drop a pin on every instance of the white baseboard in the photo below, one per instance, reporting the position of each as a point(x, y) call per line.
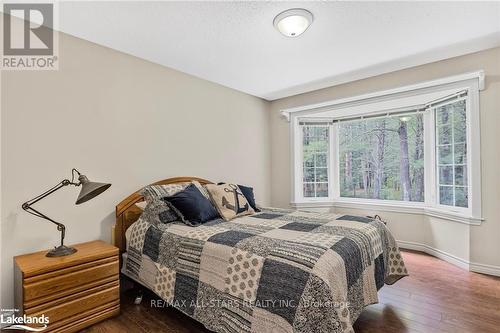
point(484, 269)
point(452, 259)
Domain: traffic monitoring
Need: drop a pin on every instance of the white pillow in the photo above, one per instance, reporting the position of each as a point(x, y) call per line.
point(141, 205)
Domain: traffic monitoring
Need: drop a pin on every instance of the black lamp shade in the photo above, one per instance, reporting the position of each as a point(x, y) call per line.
point(89, 189)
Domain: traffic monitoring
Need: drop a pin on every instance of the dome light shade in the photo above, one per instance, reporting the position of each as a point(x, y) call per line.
point(293, 22)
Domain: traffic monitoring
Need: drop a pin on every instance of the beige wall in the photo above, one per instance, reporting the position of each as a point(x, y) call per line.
point(479, 244)
point(122, 120)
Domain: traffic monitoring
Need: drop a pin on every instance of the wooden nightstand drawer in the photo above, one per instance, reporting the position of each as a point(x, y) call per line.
point(73, 291)
point(85, 319)
point(30, 310)
point(66, 282)
point(110, 296)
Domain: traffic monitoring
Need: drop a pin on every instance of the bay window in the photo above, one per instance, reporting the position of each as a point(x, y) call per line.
point(416, 149)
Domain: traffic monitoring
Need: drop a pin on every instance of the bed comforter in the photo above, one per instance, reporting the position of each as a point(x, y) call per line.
point(274, 271)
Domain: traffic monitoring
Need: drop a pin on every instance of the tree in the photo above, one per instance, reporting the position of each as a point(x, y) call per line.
point(404, 162)
point(348, 171)
point(366, 173)
point(418, 157)
point(379, 158)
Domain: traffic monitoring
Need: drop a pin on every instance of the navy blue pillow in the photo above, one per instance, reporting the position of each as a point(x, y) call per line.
point(191, 206)
point(248, 194)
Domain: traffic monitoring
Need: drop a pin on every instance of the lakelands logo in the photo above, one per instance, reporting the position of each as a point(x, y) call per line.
point(29, 41)
point(25, 323)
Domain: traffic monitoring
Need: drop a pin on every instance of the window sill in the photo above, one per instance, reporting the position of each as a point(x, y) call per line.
point(407, 208)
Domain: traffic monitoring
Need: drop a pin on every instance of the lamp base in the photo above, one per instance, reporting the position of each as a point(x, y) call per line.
point(61, 251)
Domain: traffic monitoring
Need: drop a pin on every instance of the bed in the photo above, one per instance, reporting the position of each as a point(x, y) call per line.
point(277, 270)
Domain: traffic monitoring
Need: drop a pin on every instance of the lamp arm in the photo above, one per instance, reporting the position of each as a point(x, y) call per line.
point(27, 206)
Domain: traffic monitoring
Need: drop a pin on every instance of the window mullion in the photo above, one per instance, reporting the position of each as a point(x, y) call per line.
point(430, 152)
point(473, 152)
point(334, 162)
point(299, 169)
point(452, 147)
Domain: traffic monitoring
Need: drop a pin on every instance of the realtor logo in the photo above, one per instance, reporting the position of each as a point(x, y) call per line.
point(29, 41)
point(9, 321)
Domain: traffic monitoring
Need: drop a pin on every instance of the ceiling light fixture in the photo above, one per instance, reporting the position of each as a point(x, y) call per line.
point(293, 22)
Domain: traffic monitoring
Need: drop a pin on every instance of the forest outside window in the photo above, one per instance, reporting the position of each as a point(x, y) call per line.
point(414, 156)
point(382, 158)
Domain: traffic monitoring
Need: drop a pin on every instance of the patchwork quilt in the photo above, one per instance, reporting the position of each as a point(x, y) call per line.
point(274, 271)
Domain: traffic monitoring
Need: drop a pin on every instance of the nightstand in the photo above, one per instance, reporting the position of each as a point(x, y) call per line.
point(74, 291)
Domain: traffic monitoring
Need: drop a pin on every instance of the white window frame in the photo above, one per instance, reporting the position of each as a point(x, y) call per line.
point(460, 210)
point(300, 173)
point(329, 166)
point(472, 82)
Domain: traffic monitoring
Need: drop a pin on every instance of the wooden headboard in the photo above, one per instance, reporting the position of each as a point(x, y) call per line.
point(127, 212)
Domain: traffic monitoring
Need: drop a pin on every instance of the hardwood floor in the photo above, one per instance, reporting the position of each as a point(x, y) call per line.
point(436, 297)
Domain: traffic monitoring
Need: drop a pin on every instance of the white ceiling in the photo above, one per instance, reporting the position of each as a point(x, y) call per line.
point(236, 45)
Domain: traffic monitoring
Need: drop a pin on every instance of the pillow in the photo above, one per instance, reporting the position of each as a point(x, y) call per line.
point(229, 200)
point(191, 206)
point(159, 191)
point(157, 211)
point(202, 189)
point(141, 205)
point(248, 193)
